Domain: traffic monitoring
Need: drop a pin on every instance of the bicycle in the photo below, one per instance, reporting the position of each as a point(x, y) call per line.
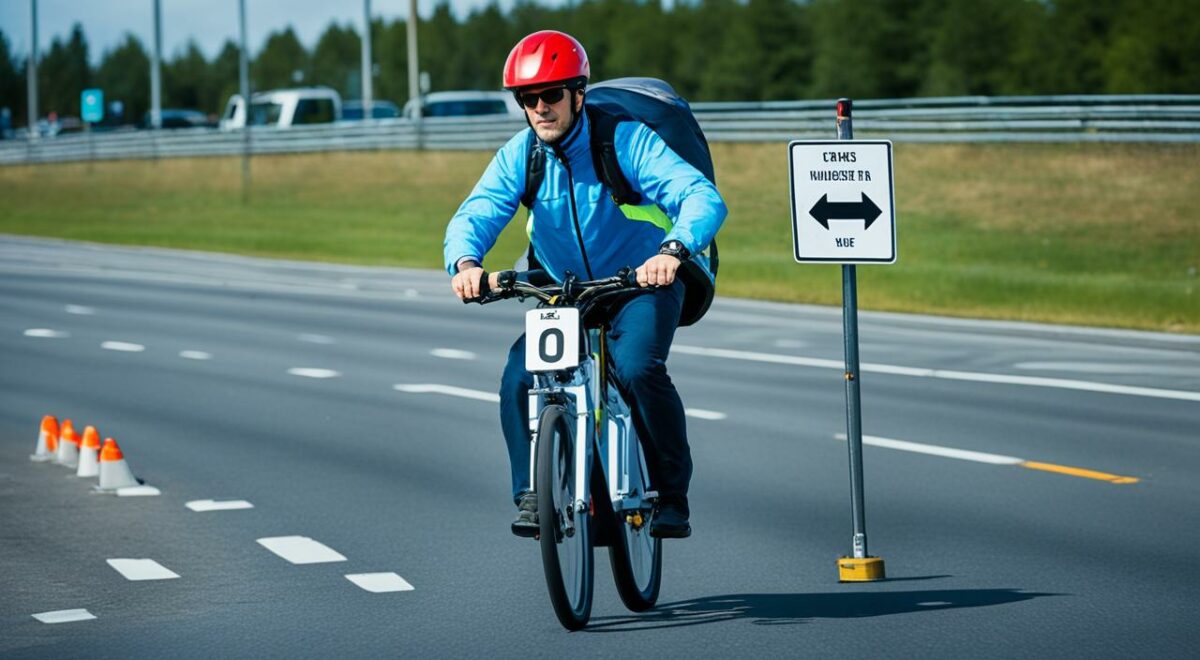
point(591, 493)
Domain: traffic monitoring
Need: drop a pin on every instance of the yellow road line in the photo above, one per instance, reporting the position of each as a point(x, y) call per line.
point(1079, 472)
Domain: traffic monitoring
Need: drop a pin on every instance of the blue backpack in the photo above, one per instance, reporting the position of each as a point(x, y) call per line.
point(655, 104)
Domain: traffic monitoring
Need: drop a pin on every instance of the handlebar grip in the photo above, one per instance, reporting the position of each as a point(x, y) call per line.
point(484, 290)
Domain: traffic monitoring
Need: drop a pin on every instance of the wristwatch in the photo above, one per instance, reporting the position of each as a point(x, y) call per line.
point(675, 249)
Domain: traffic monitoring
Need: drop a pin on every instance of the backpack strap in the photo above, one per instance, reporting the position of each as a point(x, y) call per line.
point(604, 157)
point(535, 170)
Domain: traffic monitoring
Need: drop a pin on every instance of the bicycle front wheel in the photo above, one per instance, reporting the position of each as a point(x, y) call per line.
point(566, 534)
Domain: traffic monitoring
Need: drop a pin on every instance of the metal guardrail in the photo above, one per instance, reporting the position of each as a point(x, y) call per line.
point(1160, 118)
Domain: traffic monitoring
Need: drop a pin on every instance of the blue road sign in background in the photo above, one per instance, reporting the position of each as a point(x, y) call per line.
point(91, 101)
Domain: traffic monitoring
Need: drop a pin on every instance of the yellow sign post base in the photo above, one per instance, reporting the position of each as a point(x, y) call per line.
point(868, 569)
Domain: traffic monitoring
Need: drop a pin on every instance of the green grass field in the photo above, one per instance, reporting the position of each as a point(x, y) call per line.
point(1090, 234)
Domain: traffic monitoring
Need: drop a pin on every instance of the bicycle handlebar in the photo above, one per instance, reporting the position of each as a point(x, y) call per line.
point(570, 292)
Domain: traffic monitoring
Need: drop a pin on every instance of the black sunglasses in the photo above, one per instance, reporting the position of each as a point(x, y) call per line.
point(548, 96)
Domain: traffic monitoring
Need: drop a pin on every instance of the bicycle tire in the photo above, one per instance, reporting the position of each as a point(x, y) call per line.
point(566, 560)
point(636, 559)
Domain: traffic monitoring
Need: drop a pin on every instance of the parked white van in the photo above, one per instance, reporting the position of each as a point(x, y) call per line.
point(284, 108)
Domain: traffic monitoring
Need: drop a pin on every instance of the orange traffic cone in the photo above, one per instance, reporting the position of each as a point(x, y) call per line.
point(68, 445)
point(114, 471)
point(89, 454)
point(47, 445)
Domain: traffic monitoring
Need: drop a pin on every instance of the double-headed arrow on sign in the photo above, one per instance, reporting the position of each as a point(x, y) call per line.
point(825, 210)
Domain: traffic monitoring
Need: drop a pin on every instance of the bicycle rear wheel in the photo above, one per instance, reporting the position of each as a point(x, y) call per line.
point(566, 534)
point(635, 555)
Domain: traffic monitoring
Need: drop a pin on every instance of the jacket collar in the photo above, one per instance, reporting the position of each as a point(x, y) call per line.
point(575, 146)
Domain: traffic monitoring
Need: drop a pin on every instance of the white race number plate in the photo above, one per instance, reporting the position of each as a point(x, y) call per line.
point(551, 339)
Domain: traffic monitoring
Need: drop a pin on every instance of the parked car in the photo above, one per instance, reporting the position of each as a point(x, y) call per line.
point(353, 110)
point(179, 118)
point(284, 108)
point(465, 104)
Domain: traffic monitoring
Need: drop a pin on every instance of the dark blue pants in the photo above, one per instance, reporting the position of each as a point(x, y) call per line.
point(639, 340)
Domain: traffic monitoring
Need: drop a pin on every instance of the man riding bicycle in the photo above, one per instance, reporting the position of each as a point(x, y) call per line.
point(576, 227)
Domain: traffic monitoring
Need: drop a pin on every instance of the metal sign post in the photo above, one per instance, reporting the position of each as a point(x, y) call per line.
point(91, 108)
point(843, 211)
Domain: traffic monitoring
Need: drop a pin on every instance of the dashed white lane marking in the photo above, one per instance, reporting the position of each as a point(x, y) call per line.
point(142, 569)
point(46, 333)
point(138, 491)
point(1034, 381)
point(195, 355)
point(201, 506)
point(790, 343)
point(700, 413)
point(378, 583)
point(81, 310)
point(452, 354)
point(429, 388)
point(122, 346)
point(310, 372)
point(936, 450)
point(301, 549)
point(317, 339)
point(64, 616)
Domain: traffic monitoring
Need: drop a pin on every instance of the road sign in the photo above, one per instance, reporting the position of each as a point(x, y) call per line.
point(91, 102)
point(843, 207)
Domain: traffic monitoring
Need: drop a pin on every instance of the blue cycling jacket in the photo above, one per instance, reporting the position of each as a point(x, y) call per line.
point(574, 224)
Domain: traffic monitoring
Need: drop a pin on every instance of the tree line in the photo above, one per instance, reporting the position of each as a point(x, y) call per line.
point(710, 50)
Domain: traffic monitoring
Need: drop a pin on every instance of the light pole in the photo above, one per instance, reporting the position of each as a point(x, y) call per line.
point(156, 70)
point(414, 89)
point(31, 74)
point(366, 61)
point(244, 80)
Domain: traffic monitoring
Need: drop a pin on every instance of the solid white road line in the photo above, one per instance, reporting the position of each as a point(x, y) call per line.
point(201, 506)
point(452, 354)
point(64, 616)
point(1111, 368)
point(378, 583)
point(700, 413)
point(81, 310)
point(310, 372)
point(316, 339)
point(936, 450)
point(142, 569)
point(301, 549)
point(1034, 381)
point(430, 388)
point(195, 355)
point(46, 333)
point(122, 346)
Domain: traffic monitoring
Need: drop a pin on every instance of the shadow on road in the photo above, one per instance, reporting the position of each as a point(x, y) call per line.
point(791, 609)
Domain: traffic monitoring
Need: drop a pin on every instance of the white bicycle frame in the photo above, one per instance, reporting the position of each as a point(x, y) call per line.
point(601, 425)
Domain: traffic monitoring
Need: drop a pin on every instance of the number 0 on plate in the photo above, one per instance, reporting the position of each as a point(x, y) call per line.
point(551, 339)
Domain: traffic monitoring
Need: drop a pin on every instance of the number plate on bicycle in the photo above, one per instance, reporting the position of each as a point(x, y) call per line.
point(551, 339)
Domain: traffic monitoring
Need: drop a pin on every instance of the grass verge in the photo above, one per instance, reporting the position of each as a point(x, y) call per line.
point(1090, 234)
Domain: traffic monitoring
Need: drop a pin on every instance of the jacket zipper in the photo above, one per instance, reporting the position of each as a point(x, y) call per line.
point(574, 212)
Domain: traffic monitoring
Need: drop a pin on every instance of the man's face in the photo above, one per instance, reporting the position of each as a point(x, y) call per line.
point(551, 120)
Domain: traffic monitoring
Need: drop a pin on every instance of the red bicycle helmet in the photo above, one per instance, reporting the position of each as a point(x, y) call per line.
point(546, 57)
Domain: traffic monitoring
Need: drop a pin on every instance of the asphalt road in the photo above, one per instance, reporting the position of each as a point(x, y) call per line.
point(1065, 525)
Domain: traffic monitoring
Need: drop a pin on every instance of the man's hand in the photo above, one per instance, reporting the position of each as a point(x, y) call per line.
point(466, 283)
point(658, 270)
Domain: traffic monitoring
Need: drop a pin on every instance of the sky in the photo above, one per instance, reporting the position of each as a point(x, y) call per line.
point(209, 22)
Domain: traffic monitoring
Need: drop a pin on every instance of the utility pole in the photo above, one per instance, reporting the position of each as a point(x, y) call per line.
point(367, 99)
point(31, 74)
point(156, 70)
